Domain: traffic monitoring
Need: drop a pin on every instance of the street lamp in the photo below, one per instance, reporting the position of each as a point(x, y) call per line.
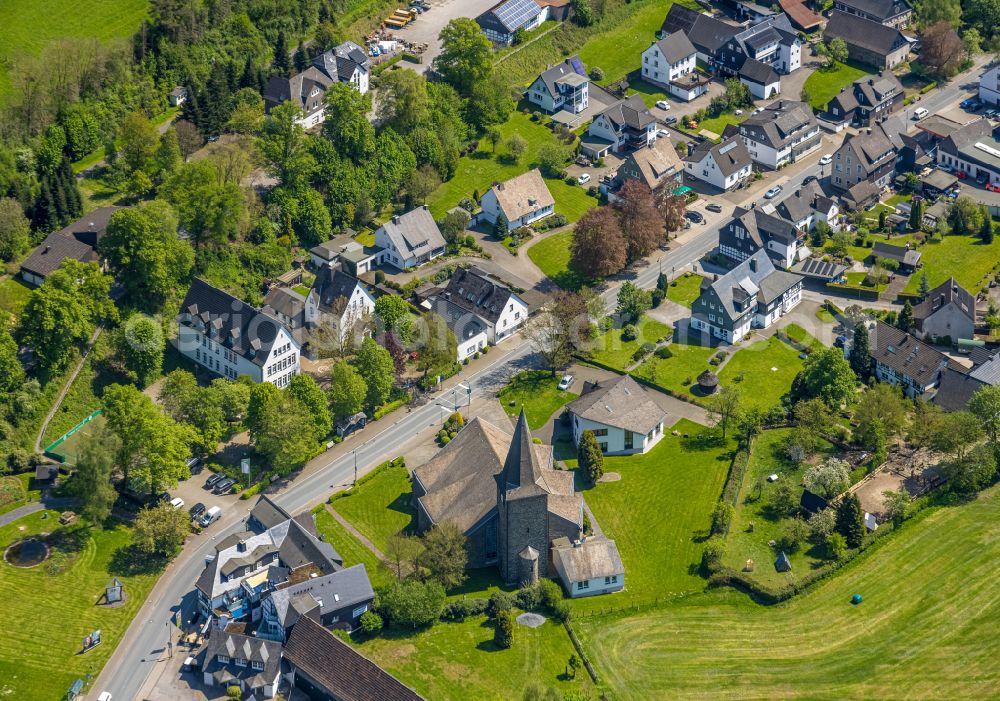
point(355, 451)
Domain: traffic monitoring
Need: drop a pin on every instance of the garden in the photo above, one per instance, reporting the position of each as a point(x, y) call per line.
point(685, 289)
point(966, 258)
point(824, 84)
point(552, 255)
point(536, 392)
point(619, 346)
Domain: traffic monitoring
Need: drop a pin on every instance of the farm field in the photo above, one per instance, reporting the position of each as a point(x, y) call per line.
point(681, 477)
point(924, 629)
point(41, 660)
point(966, 258)
point(29, 25)
point(537, 392)
point(379, 507)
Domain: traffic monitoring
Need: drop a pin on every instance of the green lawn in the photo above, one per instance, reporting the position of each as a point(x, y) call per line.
point(610, 349)
point(718, 124)
point(763, 371)
point(966, 258)
point(925, 629)
point(679, 371)
point(47, 615)
point(14, 295)
point(685, 289)
point(460, 661)
point(536, 392)
point(551, 255)
point(379, 507)
point(30, 25)
point(769, 456)
point(478, 171)
point(659, 512)
point(822, 86)
point(84, 394)
point(617, 51)
point(350, 548)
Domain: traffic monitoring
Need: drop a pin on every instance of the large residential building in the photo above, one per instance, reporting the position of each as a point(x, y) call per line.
point(622, 414)
point(627, 124)
point(973, 151)
point(901, 359)
point(948, 311)
point(807, 206)
point(77, 241)
point(653, 166)
point(562, 88)
point(869, 156)
point(725, 165)
point(502, 21)
point(867, 100)
point(335, 600)
point(231, 338)
point(503, 493)
point(410, 239)
point(347, 63)
point(781, 133)
point(670, 63)
point(989, 86)
point(891, 13)
point(706, 33)
point(521, 201)
point(868, 42)
point(244, 661)
point(338, 302)
point(752, 295)
point(753, 230)
point(772, 42)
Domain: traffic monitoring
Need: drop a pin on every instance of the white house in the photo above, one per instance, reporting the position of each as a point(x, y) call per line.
point(588, 566)
point(808, 206)
point(410, 239)
point(470, 331)
point(752, 295)
point(989, 86)
point(501, 310)
point(563, 87)
point(725, 165)
point(627, 124)
point(670, 63)
point(783, 132)
point(972, 150)
point(521, 200)
point(338, 299)
point(231, 338)
point(752, 230)
point(244, 661)
point(622, 415)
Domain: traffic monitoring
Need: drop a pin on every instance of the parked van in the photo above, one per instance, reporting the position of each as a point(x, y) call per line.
point(211, 516)
point(919, 113)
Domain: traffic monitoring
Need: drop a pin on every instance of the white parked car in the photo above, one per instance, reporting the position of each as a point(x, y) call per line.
point(584, 179)
point(566, 381)
point(827, 159)
point(105, 696)
point(738, 112)
point(663, 104)
point(177, 503)
point(919, 113)
point(662, 134)
point(773, 192)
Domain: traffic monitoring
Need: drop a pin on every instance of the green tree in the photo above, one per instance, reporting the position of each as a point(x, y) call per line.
point(897, 505)
point(348, 390)
point(860, 355)
point(925, 286)
point(905, 320)
point(985, 406)
point(346, 124)
point(445, 555)
point(140, 344)
point(402, 552)
point(850, 520)
point(282, 63)
point(633, 301)
point(583, 12)
point(91, 482)
point(143, 251)
point(438, 347)
point(838, 50)
point(376, 368)
point(724, 408)
point(552, 160)
point(956, 433)
point(503, 630)
point(916, 215)
point(986, 229)
point(722, 516)
point(139, 141)
point(160, 530)
point(309, 394)
point(209, 208)
point(247, 116)
point(11, 372)
point(393, 315)
point(466, 57)
point(516, 145)
point(965, 216)
point(403, 101)
point(826, 375)
point(412, 603)
point(933, 11)
point(285, 432)
point(974, 470)
point(15, 229)
point(283, 146)
point(371, 622)
point(589, 456)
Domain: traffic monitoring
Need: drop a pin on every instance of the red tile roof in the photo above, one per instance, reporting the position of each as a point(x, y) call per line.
point(800, 14)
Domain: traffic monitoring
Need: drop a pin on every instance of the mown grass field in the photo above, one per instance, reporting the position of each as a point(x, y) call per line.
point(349, 547)
point(678, 372)
point(659, 513)
point(29, 25)
point(611, 349)
point(762, 371)
point(379, 507)
point(925, 629)
point(551, 255)
point(45, 617)
point(966, 258)
point(822, 86)
point(685, 289)
point(14, 295)
point(537, 392)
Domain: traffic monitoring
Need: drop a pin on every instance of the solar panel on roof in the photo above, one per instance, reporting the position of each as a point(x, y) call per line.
point(516, 13)
point(577, 65)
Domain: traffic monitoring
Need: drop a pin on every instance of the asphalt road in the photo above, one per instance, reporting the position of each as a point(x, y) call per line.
point(137, 655)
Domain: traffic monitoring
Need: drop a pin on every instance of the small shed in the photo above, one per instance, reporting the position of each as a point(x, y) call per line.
point(812, 502)
point(871, 523)
point(46, 472)
point(349, 425)
point(782, 564)
point(708, 382)
point(177, 96)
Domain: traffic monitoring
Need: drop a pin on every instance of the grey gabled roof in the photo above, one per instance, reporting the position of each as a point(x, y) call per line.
point(340, 62)
point(679, 19)
point(907, 355)
point(778, 123)
point(342, 589)
point(563, 69)
point(474, 291)
point(414, 233)
point(730, 154)
point(863, 33)
point(676, 47)
point(883, 9)
point(285, 301)
point(620, 402)
point(631, 112)
point(266, 514)
point(956, 389)
point(297, 88)
point(907, 256)
point(250, 648)
point(77, 241)
point(245, 330)
point(709, 34)
point(334, 288)
point(948, 292)
point(757, 72)
point(593, 558)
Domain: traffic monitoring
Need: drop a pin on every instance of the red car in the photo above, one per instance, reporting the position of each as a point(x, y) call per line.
point(961, 175)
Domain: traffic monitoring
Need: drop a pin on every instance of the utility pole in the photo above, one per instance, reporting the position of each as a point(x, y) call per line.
point(355, 468)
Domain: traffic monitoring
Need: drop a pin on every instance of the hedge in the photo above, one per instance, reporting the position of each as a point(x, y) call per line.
point(734, 480)
point(927, 88)
point(389, 408)
point(395, 462)
point(580, 651)
point(861, 292)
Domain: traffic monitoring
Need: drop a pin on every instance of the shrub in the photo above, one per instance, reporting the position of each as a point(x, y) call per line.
point(596, 73)
point(379, 277)
point(412, 603)
point(528, 598)
point(657, 298)
point(460, 609)
point(562, 612)
point(606, 324)
point(550, 593)
point(794, 533)
point(234, 693)
point(664, 352)
point(499, 601)
point(569, 180)
point(711, 556)
point(371, 622)
point(629, 333)
point(503, 632)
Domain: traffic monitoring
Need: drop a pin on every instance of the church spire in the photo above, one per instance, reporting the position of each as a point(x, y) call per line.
point(521, 469)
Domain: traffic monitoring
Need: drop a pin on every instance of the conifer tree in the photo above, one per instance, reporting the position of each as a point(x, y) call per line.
point(850, 520)
point(590, 457)
point(281, 65)
point(860, 359)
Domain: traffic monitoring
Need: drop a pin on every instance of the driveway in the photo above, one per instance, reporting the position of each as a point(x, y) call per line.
point(427, 26)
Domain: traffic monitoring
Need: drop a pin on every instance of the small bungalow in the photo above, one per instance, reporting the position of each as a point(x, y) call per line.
point(907, 258)
point(621, 413)
point(588, 566)
point(522, 200)
point(410, 239)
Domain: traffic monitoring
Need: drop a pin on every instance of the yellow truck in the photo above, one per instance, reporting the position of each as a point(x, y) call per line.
point(400, 18)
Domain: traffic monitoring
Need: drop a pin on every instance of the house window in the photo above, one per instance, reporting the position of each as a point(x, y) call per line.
point(582, 585)
point(603, 447)
point(600, 431)
point(259, 666)
point(239, 662)
point(223, 659)
point(613, 579)
point(628, 440)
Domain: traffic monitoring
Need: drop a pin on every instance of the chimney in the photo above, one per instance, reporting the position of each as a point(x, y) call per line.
point(425, 207)
point(753, 265)
point(47, 248)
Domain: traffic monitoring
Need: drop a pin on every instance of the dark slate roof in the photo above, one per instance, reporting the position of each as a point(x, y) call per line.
point(946, 293)
point(956, 389)
point(334, 288)
point(474, 291)
point(552, 75)
point(800, 204)
point(676, 47)
point(300, 548)
point(781, 121)
point(246, 647)
point(339, 669)
point(522, 471)
point(244, 329)
point(907, 355)
point(266, 514)
point(341, 61)
point(631, 112)
point(863, 33)
point(900, 254)
point(286, 302)
point(872, 90)
point(750, 280)
point(620, 402)
point(812, 502)
point(463, 323)
point(77, 241)
point(709, 34)
point(757, 72)
point(297, 88)
point(730, 154)
point(679, 19)
point(883, 9)
point(759, 226)
point(343, 589)
point(860, 192)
